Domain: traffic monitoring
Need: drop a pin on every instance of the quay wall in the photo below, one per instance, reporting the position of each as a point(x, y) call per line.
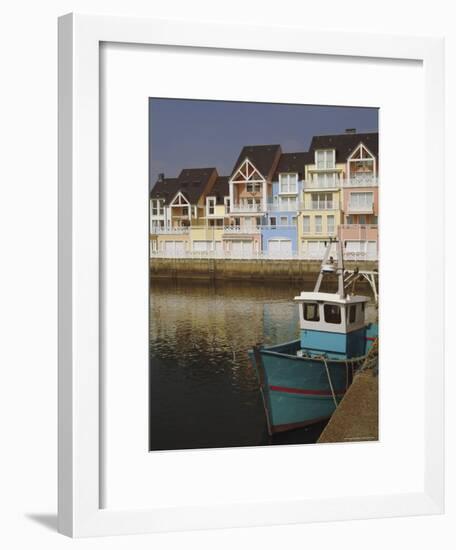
point(243, 269)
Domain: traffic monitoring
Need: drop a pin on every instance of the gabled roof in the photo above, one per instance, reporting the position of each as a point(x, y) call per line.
point(344, 144)
point(221, 189)
point(191, 182)
point(263, 157)
point(293, 162)
point(165, 189)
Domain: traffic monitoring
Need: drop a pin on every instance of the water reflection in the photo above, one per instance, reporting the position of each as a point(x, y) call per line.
point(203, 390)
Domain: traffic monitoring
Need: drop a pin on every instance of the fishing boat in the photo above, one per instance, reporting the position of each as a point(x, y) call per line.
point(303, 381)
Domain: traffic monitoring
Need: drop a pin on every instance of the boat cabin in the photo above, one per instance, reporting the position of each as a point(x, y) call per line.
point(331, 324)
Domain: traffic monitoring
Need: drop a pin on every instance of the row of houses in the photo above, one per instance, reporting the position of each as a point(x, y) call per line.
point(273, 204)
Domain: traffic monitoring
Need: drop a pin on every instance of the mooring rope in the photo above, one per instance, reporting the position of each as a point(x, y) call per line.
point(330, 382)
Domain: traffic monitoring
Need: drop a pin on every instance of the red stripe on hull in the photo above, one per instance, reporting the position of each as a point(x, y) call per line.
point(371, 338)
point(302, 392)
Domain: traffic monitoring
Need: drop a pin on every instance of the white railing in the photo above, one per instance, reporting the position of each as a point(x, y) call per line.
point(354, 181)
point(318, 205)
point(169, 230)
point(247, 229)
point(247, 208)
point(325, 184)
point(360, 208)
point(278, 227)
point(282, 208)
point(245, 255)
point(361, 181)
point(357, 227)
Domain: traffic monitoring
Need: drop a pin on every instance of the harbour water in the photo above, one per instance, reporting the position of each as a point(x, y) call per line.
point(203, 389)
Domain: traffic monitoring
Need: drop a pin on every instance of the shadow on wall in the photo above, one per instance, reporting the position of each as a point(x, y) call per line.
point(47, 520)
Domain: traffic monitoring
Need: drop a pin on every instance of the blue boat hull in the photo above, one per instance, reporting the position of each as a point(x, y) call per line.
point(296, 390)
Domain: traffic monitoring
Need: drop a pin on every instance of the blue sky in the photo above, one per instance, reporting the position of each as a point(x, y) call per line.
point(196, 134)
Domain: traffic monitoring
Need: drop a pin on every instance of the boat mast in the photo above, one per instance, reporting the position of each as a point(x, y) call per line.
point(340, 269)
point(327, 266)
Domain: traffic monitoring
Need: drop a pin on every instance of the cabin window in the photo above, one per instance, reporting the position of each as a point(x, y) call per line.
point(332, 314)
point(311, 312)
point(351, 314)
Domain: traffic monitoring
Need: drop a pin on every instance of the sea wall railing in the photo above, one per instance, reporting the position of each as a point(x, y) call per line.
point(247, 255)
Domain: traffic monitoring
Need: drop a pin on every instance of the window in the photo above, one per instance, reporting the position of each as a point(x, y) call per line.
point(158, 208)
point(361, 201)
point(283, 220)
point(325, 180)
point(330, 223)
point(332, 314)
point(351, 314)
point(210, 206)
point(293, 220)
point(362, 220)
point(325, 159)
point(272, 220)
point(306, 224)
point(288, 183)
point(349, 220)
point(253, 187)
point(310, 312)
point(322, 201)
point(287, 203)
point(318, 224)
point(226, 200)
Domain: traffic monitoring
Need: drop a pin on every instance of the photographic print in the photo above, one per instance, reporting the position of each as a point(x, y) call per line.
point(263, 268)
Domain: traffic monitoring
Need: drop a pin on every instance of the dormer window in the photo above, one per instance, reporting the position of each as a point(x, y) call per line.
point(210, 204)
point(361, 166)
point(288, 183)
point(157, 207)
point(325, 159)
point(226, 200)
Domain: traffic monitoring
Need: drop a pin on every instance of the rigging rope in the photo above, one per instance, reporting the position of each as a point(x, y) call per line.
point(330, 382)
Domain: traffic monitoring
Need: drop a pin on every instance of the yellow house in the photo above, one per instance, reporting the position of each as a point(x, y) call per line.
point(206, 233)
point(178, 204)
point(338, 173)
point(320, 209)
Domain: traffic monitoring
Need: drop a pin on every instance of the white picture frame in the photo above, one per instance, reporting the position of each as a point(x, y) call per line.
point(80, 462)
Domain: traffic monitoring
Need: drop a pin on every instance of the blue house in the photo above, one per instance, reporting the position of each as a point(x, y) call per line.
point(279, 230)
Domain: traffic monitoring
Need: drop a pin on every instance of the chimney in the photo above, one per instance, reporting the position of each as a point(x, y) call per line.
point(350, 130)
point(161, 177)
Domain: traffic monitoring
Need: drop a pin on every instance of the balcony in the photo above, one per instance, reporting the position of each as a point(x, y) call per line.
point(359, 208)
point(244, 208)
point(320, 205)
point(359, 232)
point(322, 184)
point(169, 230)
point(241, 230)
point(364, 180)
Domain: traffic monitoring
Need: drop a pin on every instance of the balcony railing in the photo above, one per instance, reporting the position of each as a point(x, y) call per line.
point(357, 227)
point(241, 208)
point(367, 208)
point(324, 184)
point(247, 229)
point(320, 205)
point(169, 230)
point(364, 180)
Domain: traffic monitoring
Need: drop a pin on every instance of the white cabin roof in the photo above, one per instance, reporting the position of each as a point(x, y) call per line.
point(329, 297)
